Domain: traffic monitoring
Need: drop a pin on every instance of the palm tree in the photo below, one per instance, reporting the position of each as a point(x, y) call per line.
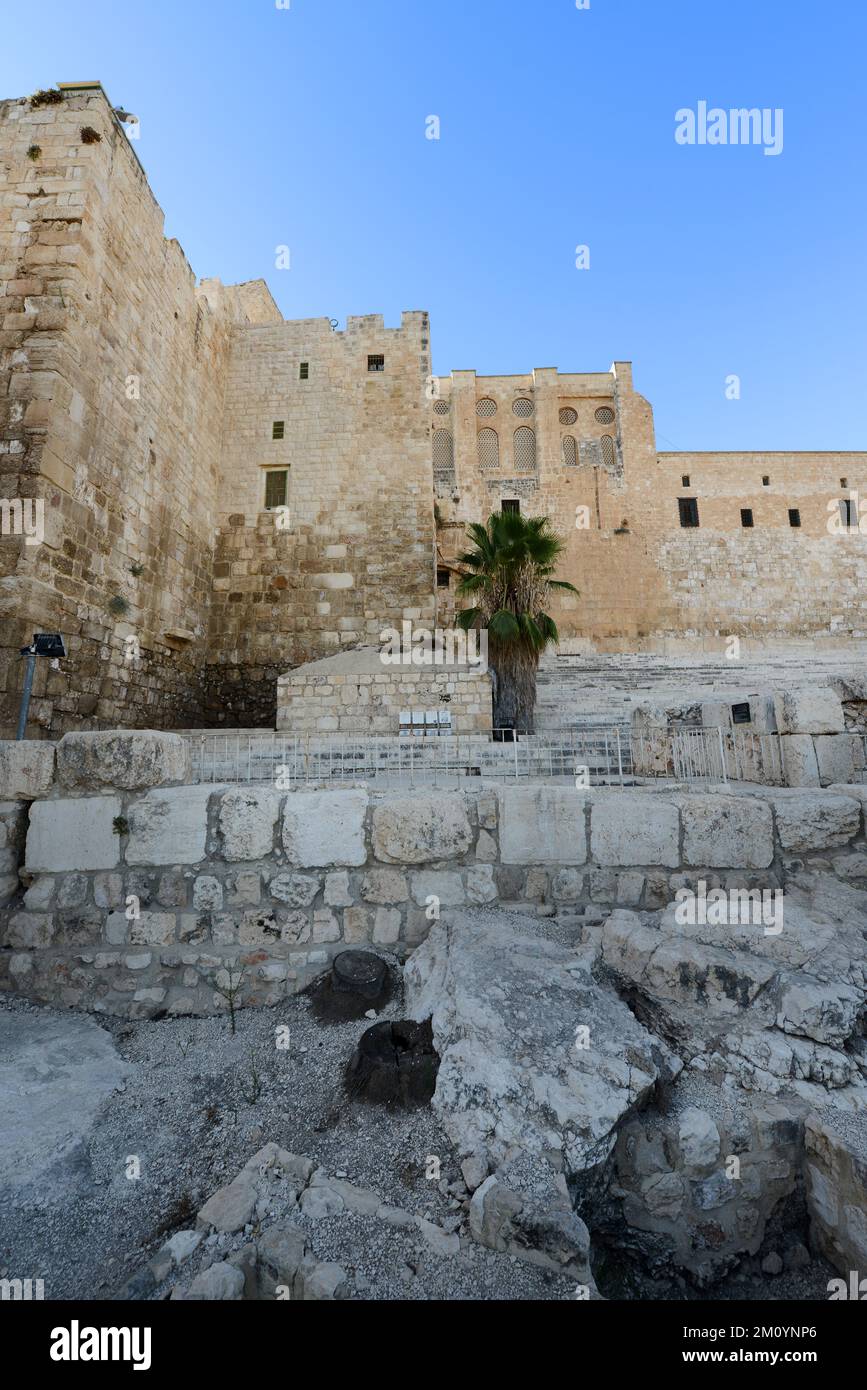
point(509, 578)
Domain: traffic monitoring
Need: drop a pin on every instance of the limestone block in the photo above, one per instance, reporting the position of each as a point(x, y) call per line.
point(446, 886)
point(421, 829)
point(247, 819)
point(815, 710)
point(207, 894)
point(324, 828)
point(836, 1174)
point(386, 926)
point(169, 826)
point(75, 834)
point(814, 820)
point(542, 825)
point(337, 890)
point(26, 769)
point(699, 1138)
point(800, 764)
point(30, 931)
point(481, 887)
point(296, 890)
point(384, 887)
point(727, 832)
point(129, 760)
point(835, 755)
point(634, 828)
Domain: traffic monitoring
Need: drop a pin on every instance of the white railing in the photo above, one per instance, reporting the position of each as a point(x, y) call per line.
point(591, 757)
point(709, 755)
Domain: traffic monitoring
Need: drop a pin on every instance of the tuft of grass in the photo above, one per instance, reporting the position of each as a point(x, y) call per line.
point(120, 825)
point(47, 96)
point(118, 605)
point(34, 153)
point(89, 136)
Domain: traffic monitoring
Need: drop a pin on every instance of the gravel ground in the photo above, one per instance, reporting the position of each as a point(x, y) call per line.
point(201, 1101)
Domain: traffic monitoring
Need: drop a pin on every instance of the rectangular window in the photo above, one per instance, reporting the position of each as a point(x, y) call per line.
point(375, 362)
point(276, 488)
point(443, 579)
point(511, 504)
point(746, 516)
point(766, 482)
point(684, 482)
point(844, 482)
point(848, 511)
point(794, 516)
point(741, 714)
point(278, 429)
point(304, 371)
point(688, 511)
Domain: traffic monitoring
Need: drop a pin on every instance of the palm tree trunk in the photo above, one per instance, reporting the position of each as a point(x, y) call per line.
point(514, 681)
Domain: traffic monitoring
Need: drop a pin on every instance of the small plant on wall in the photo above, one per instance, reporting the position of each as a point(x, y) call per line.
point(136, 570)
point(118, 606)
point(34, 152)
point(89, 136)
point(49, 96)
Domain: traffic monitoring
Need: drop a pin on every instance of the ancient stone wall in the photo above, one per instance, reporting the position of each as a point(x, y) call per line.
point(112, 371)
point(138, 894)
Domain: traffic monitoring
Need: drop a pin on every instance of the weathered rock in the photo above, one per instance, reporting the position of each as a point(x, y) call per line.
point(220, 1283)
point(633, 828)
point(26, 769)
point(325, 828)
point(535, 1057)
point(247, 819)
point(728, 832)
point(542, 825)
point(836, 1174)
point(815, 820)
point(74, 834)
point(230, 1208)
point(699, 1138)
point(169, 826)
point(408, 830)
point(127, 760)
point(546, 1233)
point(817, 709)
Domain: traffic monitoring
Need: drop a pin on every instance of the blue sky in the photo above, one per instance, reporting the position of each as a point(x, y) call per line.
point(305, 127)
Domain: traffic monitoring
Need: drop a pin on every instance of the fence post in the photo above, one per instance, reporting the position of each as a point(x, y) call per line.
point(619, 756)
point(722, 755)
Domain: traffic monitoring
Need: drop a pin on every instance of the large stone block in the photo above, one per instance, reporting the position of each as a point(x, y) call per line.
point(78, 834)
point(421, 829)
point(727, 832)
point(247, 819)
point(543, 825)
point(813, 820)
point(835, 756)
point(169, 827)
point(323, 828)
point(634, 828)
point(836, 1173)
point(800, 765)
point(26, 769)
point(816, 710)
point(130, 760)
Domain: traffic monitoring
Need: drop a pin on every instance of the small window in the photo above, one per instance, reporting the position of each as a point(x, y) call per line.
point(375, 362)
point(685, 481)
point(766, 482)
point(276, 486)
point(304, 371)
point(741, 713)
point(844, 482)
point(747, 517)
point(278, 429)
point(443, 579)
point(688, 511)
point(848, 512)
point(794, 516)
point(511, 504)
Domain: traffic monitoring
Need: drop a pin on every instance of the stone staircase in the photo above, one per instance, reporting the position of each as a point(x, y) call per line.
point(602, 690)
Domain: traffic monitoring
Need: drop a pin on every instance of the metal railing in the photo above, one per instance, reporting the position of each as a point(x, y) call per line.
point(709, 755)
point(592, 757)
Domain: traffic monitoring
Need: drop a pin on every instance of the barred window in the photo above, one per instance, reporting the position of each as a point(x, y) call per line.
point(376, 362)
point(488, 445)
point(441, 407)
point(485, 408)
point(525, 450)
point(276, 488)
point(568, 416)
point(443, 451)
point(605, 415)
point(523, 408)
point(570, 451)
point(609, 451)
point(278, 429)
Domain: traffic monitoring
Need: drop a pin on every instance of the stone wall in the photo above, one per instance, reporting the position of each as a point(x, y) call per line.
point(112, 374)
point(136, 897)
point(358, 694)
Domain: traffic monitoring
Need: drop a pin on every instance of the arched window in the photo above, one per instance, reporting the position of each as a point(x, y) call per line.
point(488, 444)
point(570, 451)
point(525, 450)
point(609, 451)
point(443, 452)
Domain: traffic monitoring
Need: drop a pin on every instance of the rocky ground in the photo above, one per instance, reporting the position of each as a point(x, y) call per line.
point(119, 1133)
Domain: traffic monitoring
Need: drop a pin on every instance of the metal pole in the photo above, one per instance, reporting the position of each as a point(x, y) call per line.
point(25, 696)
